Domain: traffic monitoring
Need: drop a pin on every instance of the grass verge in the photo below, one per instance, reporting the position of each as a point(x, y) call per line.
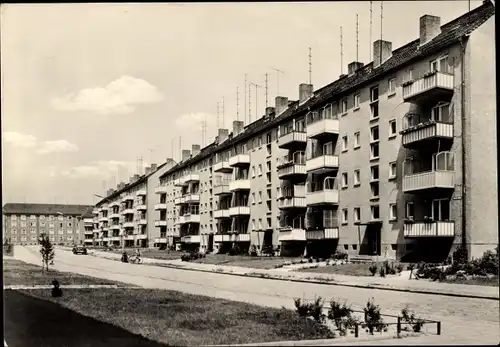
point(244, 261)
point(16, 272)
point(351, 269)
point(182, 319)
point(477, 281)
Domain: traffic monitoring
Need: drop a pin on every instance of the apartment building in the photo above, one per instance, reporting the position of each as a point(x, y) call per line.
point(25, 222)
point(85, 225)
point(396, 159)
point(126, 216)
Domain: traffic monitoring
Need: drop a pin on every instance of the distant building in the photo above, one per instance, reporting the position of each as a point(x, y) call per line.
point(24, 223)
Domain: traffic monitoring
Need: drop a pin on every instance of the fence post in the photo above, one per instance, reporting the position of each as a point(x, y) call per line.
point(438, 328)
point(356, 330)
point(399, 326)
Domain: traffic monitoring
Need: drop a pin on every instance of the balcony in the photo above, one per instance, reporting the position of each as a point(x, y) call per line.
point(292, 202)
point(128, 225)
point(161, 206)
point(174, 233)
point(127, 198)
point(114, 238)
point(292, 140)
point(222, 189)
point(239, 160)
point(430, 130)
point(323, 128)
point(179, 182)
point(429, 180)
point(114, 227)
point(294, 167)
point(179, 200)
point(88, 221)
point(219, 214)
point(191, 218)
point(190, 198)
point(114, 216)
point(243, 237)
point(114, 204)
point(324, 234)
point(142, 221)
point(222, 238)
point(191, 178)
point(141, 192)
point(160, 240)
point(129, 237)
point(95, 211)
point(141, 207)
point(430, 229)
point(435, 85)
point(160, 223)
point(322, 197)
point(128, 211)
point(223, 166)
point(141, 236)
point(103, 219)
point(191, 239)
point(290, 234)
point(240, 184)
point(322, 164)
point(239, 211)
point(161, 190)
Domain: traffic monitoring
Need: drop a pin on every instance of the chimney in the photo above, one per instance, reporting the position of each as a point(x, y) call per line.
point(305, 92)
point(382, 50)
point(269, 110)
point(430, 27)
point(109, 192)
point(222, 135)
point(121, 185)
point(170, 162)
point(281, 103)
point(237, 127)
point(195, 149)
point(185, 154)
point(147, 170)
point(154, 167)
point(352, 67)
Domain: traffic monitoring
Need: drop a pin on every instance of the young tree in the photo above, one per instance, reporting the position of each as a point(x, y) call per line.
point(46, 250)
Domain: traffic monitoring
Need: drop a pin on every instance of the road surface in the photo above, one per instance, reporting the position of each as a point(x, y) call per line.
point(464, 321)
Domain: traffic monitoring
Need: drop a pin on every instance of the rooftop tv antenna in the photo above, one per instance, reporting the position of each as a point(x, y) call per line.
point(223, 123)
point(278, 72)
point(218, 116)
point(172, 149)
point(237, 103)
point(245, 97)
point(341, 54)
point(256, 97)
point(205, 129)
point(141, 165)
point(370, 45)
point(310, 65)
point(266, 91)
point(249, 105)
point(357, 39)
point(381, 32)
point(180, 148)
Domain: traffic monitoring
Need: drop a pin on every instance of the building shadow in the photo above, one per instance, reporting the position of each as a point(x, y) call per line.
point(30, 321)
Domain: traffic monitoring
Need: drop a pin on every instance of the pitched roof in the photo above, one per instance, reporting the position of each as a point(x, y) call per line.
point(38, 209)
point(88, 213)
point(450, 34)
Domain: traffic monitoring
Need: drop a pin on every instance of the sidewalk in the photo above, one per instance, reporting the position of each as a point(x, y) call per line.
point(397, 283)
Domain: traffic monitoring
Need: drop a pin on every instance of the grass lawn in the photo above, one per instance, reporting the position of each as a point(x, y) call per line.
point(183, 319)
point(478, 281)
point(16, 272)
point(243, 261)
point(149, 253)
point(353, 269)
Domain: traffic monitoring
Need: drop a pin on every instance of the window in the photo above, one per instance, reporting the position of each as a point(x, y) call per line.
point(374, 151)
point(344, 216)
point(253, 171)
point(260, 197)
point(13, 231)
point(356, 140)
point(374, 94)
point(260, 170)
point(410, 211)
point(357, 178)
point(23, 224)
point(32, 217)
point(440, 64)
point(375, 212)
point(392, 128)
point(393, 212)
point(253, 198)
point(343, 106)
point(357, 214)
point(374, 135)
point(409, 75)
point(345, 143)
point(344, 180)
point(391, 90)
point(374, 174)
point(374, 187)
point(392, 170)
point(260, 224)
point(441, 112)
point(253, 224)
point(356, 101)
point(13, 217)
point(441, 210)
point(23, 217)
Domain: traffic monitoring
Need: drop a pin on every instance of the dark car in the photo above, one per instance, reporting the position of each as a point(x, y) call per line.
point(79, 250)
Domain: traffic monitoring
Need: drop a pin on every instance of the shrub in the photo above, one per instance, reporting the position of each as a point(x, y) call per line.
point(389, 268)
point(302, 309)
point(410, 317)
point(399, 268)
point(489, 262)
point(382, 272)
point(253, 251)
point(460, 256)
point(185, 257)
point(373, 317)
point(342, 316)
point(314, 310)
point(373, 269)
point(310, 260)
point(56, 290)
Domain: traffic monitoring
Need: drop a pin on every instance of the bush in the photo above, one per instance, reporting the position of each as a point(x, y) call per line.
point(489, 262)
point(253, 251)
point(342, 316)
point(399, 268)
point(310, 260)
point(373, 269)
point(373, 317)
point(382, 272)
point(302, 309)
point(408, 316)
point(314, 310)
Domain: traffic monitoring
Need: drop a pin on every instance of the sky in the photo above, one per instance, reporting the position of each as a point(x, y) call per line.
point(89, 88)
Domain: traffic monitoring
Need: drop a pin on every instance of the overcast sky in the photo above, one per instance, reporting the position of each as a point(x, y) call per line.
point(88, 88)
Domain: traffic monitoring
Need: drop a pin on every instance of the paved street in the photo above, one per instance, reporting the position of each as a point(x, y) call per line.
point(465, 321)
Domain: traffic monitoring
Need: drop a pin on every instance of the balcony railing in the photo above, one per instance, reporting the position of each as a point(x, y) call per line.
point(324, 234)
point(161, 240)
point(161, 190)
point(223, 166)
point(291, 139)
point(429, 180)
point(416, 129)
point(191, 218)
point(160, 223)
point(128, 224)
point(190, 198)
point(430, 229)
point(243, 237)
point(432, 83)
point(222, 189)
point(141, 207)
point(324, 192)
point(292, 202)
point(239, 211)
point(128, 211)
point(222, 213)
point(240, 184)
point(142, 221)
point(191, 239)
point(239, 159)
point(191, 178)
point(141, 192)
point(290, 234)
point(288, 167)
point(161, 206)
point(127, 198)
point(322, 163)
point(179, 200)
point(322, 127)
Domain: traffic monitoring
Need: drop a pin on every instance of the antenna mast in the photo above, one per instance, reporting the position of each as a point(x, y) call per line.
point(237, 103)
point(266, 91)
point(245, 97)
point(370, 45)
point(381, 32)
point(249, 105)
point(357, 39)
point(172, 149)
point(256, 97)
point(278, 71)
point(341, 54)
point(310, 66)
point(223, 112)
point(218, 116)
point(205, 126)
point(180, 148)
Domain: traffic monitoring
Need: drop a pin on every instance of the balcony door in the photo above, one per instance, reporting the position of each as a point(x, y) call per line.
point(441, 210)
point(440, 64)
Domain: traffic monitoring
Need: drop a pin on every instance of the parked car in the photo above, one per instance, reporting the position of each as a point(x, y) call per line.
point(79, 250)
